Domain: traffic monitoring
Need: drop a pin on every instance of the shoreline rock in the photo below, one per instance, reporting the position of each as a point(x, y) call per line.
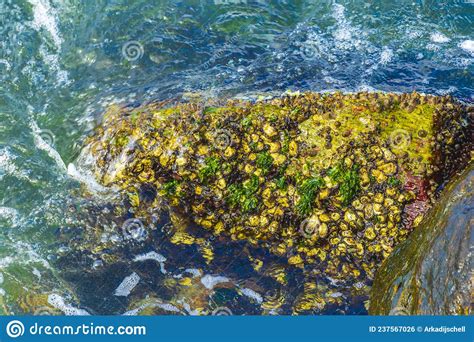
point(431, 272)
point(321, 187)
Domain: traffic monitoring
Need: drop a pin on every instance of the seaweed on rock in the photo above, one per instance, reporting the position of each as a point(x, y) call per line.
point(325, 181)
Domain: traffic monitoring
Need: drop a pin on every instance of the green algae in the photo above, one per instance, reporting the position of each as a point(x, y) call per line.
point(308, 191)
point(264, 162)
point(170, 187)
point(210, 169)
point(243, 195)
point(348, 179)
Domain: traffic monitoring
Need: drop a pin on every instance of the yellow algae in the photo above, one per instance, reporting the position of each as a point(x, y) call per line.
point(257, 171)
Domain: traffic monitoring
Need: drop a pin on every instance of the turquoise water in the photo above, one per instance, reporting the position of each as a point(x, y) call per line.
point(63, 61)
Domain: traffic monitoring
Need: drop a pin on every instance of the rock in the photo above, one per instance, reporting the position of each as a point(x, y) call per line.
point(431, 272)
point(243, 178)
point(179, 155)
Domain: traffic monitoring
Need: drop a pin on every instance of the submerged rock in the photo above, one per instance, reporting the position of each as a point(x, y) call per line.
point(318, 187)
point(431, 272)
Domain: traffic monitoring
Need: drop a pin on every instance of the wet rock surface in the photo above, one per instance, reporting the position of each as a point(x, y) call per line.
point(294, 200)
point(431, 272)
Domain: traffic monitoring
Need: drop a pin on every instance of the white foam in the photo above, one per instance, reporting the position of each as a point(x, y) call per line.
point(438, 37)
point(386, 55)
point(58, 302)
point(43, 145)
point(82, 172)
point(7, 165)
point(366, 87)
point(6, 63)
point(338, 12)
point(37, 273)
point(450, 90)
point(164, 306)
point(252, 294)
point(210, 281)
point(467, 45)
point(9, 213)
point(86, 178)
point(168, 307)
point(194, 272)
point(127, 285)
point(344, 31)
point(52, 60)
point(346, 36)
point(44, 17)
point(189, 310)
point(433, 47)
point(152, 256)
point(414, 34)
point(25, 255)
point(6, 261)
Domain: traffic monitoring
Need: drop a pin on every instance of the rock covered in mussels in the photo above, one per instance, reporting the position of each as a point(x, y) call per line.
point(336, 180)
point(431, 272)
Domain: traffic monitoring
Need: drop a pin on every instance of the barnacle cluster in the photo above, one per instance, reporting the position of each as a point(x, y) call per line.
point(328, 179)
